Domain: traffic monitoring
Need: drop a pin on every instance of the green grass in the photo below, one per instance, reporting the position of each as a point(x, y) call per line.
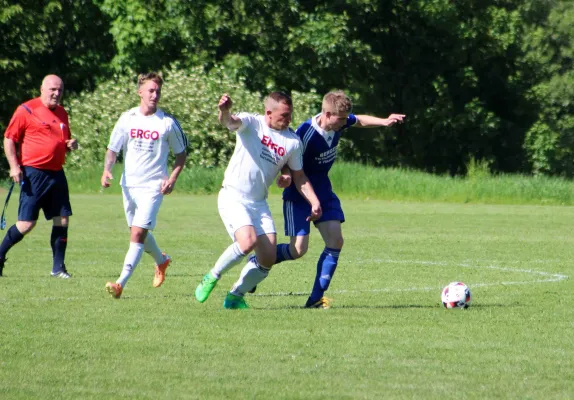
point(387, 335)
point(360, 181)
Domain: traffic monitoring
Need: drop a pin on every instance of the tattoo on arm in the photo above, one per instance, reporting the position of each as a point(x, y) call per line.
point(110, 160)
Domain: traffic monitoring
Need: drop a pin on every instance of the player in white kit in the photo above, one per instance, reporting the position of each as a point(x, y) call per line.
point(264, 145)
point(145, 134)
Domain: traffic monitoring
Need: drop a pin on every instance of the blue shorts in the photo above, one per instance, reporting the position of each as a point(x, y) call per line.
point(43, 190)
point(295, 214)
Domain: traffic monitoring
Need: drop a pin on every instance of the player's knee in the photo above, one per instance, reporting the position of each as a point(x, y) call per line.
point(299, 251)
point(25, 226)
point(336, 243)
point(61, 221)
point(246, 239)
point(138, 234)
point(247, 245)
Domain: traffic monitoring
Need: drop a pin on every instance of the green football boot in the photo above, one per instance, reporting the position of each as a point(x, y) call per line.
point(233, 302)
point(205, 287)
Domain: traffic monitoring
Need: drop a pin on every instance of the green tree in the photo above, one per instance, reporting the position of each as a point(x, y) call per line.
point(65, 37)
point(550, 55)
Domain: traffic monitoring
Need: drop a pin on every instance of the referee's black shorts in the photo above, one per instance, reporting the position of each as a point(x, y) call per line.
point(43, 190)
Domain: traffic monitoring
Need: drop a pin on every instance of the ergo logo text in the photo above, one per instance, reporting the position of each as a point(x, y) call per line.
point(141, 134)
point(266, 141)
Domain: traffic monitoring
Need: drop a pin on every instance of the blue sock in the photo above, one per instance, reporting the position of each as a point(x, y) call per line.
point(283, 253)
point(12, 237)
point(59, 242)
point(326, 267)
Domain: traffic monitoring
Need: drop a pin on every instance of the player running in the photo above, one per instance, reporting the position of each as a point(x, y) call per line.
point(145, 134)
point(263, 146)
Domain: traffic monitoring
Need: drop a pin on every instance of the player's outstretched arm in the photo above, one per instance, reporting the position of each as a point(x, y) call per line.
point(226, 119)
point(306, 189)
point(168, 185)
point(368, 121)
point(109, 162)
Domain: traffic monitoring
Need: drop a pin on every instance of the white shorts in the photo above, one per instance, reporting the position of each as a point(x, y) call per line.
point(141, 206)
point(236, 213)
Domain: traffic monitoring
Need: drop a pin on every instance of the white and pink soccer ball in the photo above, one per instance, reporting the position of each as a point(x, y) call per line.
point(456, 295)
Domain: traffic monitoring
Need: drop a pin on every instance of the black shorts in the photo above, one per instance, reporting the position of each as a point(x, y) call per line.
point(43, 190)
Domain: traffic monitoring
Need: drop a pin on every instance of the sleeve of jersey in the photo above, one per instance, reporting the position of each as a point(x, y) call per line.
point(351, 120)
point(17, 125)
point(118, 136)
point(295, 161)
point(304, 132)
point(176, 138)
point(246, 121)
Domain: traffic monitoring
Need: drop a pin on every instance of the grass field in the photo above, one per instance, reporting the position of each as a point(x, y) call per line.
point(387, 335)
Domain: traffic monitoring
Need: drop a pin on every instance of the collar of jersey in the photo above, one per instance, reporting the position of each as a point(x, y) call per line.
point(326, 134)
point(138, 112)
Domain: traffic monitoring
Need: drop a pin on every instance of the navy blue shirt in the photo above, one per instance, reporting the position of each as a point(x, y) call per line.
point(319, 155)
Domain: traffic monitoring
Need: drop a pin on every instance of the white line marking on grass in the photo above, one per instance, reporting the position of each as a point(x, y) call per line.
point(549, 277)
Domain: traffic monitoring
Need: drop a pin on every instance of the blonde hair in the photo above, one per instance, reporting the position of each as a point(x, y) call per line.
point(150, 76)
point(337, 102)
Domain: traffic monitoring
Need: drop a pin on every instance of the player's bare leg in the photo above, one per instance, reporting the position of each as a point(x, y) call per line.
point(245, 242)
point(255, 271)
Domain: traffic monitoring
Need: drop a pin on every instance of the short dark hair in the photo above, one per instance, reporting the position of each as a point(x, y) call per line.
point(279, 97)
point(150, 76)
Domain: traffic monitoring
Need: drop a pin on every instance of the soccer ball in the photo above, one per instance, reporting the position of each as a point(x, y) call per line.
point(456, 295)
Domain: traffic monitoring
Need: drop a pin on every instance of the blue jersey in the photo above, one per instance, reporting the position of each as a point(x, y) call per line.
point(319, 154)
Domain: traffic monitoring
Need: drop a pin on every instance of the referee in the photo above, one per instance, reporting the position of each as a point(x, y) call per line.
point(36, 142)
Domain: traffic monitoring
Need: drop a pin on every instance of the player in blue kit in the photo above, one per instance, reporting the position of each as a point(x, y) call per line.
point(320, 136)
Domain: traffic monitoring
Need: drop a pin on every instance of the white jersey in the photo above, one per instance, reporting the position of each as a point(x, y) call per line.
point(145, 142)
point(260, 153)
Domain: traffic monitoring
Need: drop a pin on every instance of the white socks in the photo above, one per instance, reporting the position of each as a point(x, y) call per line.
point(133, 257)
point(230, 258)
point(251, 275)
point(151, 247)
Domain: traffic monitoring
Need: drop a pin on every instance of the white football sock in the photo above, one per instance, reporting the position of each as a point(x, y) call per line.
point(230, 258)
point(133, 257)
point(151, 247)
point(251, 275)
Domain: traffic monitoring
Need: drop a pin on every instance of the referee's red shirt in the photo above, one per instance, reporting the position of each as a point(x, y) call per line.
point(41, 133)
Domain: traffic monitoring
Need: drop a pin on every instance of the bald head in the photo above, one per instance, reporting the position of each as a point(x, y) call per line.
point(51, 91)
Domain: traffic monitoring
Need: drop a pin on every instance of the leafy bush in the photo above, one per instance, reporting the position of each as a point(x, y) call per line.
point(549, 143)
point(190, 95)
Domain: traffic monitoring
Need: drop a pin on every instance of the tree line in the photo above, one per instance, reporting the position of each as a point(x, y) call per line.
point(487, 80)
